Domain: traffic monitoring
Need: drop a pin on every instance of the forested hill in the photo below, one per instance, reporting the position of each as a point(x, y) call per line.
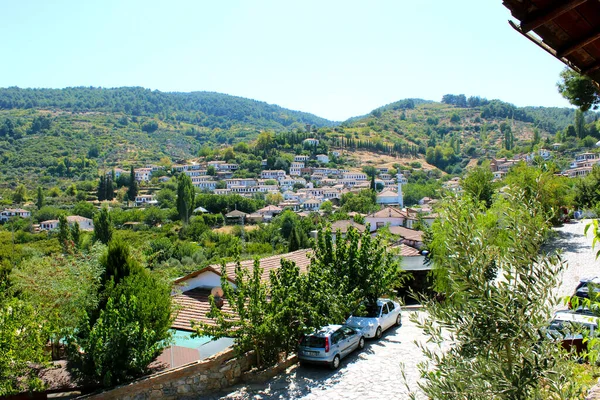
point(207, 109)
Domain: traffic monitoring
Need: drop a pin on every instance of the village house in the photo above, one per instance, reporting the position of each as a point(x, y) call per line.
point(145, 199)
point(301, 158)
point(142, 174)
point(388, 216)
point(311, 142)
point(116, 171)
point(343, 226)
point(323, 158)
point(8, 213)
point(49, 225)
point(269, 212)
point(85, 224)
point(272, 174)
point(296, 168)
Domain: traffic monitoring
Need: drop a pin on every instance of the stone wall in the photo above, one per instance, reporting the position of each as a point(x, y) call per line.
point(189, 381)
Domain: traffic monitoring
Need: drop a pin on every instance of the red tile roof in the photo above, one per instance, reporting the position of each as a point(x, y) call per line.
point(407, 233)
point(194, 304)
point(388, 212)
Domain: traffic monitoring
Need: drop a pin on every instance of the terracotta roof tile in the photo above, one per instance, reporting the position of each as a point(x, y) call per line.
point(194, 303)
point(406, 233)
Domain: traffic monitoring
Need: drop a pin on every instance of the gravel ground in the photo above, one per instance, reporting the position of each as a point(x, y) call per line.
point(578, 254)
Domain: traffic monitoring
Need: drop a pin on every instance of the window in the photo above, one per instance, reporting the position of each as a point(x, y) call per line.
point(336, 337)
point(384, 309)
point(391, 306)
point(348, 332)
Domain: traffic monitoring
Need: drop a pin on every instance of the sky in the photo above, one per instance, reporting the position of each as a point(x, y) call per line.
point(335, 59)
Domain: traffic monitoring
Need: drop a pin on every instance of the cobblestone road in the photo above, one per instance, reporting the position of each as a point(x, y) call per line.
point(577, 253)
point(374, 373)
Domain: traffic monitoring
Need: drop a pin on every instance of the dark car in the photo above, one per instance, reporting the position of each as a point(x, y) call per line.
point(582, 291)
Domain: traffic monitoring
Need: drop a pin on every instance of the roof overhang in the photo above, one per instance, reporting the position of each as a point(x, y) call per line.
point(567, 29)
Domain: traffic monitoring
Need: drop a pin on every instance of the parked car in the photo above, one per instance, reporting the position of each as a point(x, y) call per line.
point(570, 326)
point(329, 345)
point(582, 291)
point(376, 318)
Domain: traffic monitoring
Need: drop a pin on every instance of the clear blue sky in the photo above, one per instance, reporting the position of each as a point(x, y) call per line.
point(336, 59)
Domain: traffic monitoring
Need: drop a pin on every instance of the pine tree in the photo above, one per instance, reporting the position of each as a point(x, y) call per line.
point(103, 226)
point(102, 188)
point(64, 233)
point(133, 185)
point(40, 197)
point(110, 191)
point(185, 197)
point(75, 234)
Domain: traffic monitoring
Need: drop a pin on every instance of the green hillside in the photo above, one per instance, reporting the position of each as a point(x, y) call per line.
point(49, 134)
point(55, 136)
point(451, 133)
point(206, 109)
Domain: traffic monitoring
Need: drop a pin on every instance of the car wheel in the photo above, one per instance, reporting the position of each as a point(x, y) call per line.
point(378, 333)
point(399, 320)
point(361, 343)
point(335, 364)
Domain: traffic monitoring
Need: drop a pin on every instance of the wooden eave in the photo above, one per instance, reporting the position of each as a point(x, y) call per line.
point(567, 29)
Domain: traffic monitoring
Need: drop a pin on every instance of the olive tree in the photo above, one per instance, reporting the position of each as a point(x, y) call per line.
point(498, 299)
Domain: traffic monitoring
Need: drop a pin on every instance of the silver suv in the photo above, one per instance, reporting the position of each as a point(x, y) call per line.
point(329, 345)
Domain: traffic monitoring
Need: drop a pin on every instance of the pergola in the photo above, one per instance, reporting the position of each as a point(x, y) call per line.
point(567, 29)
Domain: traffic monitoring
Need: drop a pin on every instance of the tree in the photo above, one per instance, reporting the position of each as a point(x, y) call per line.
point(103, 228)
point(185, 197)
point(478, 184)
point(117, 264)
point(133, 186)
point(498, 298)
point(61, 289)
point(135, 321)
point(22, 343)
point(579, 90)
point(579, 124)
point(75, 234)
point(64, 234)
point(109, 188)
point(362, 202)
point(20, 194)
point(40, 198)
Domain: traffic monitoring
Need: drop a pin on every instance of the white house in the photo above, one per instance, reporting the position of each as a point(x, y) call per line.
point(8, 213)
point(272, 174)
point(145, 199)
point(301, 158)
point(387, 197)
point(311, 142)
point(391, 216)
point(296, 168)
point(49, 225)
point(85, 224)
point(143, 174)
point(324, 158)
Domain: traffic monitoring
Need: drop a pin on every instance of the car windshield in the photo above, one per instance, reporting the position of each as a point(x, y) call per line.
point(313, 341)
point(369, 311)
point(569, 329)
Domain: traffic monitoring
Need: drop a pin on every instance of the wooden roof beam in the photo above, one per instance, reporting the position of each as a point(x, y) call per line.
point(578, 45)
point(591, 68)
point(539, 18)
